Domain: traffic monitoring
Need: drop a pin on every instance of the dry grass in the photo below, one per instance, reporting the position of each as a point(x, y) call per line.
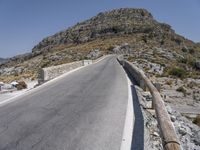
point(28, 75)
point(169, 82)
point(103, 44)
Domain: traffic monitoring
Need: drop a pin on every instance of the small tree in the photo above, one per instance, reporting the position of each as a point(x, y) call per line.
point(178, 72)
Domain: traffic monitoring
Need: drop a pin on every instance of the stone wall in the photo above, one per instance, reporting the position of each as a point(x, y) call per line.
point(49, 73)
point(46, 74)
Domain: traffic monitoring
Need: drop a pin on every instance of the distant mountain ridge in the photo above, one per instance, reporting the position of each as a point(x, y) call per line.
point(2, 60)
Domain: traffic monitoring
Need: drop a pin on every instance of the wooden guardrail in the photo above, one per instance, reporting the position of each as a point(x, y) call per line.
point(168, 134)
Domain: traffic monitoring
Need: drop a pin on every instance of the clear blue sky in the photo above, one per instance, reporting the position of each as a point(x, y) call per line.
point(23, 23)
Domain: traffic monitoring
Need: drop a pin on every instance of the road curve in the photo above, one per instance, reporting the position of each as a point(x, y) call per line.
point(84, 110)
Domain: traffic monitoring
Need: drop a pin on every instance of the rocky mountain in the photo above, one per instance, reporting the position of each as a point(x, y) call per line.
point(112, 23)
point(102, 34)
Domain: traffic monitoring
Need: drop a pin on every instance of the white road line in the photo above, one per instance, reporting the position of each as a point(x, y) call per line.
point(128, 127)
point(46, 83)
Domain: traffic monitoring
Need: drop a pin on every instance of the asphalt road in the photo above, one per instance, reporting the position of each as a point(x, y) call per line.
point(84, 110)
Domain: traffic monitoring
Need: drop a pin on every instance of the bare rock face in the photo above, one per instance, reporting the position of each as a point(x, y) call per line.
point(187, 132)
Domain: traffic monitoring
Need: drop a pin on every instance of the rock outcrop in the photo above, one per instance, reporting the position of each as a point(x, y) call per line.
point(111, 23)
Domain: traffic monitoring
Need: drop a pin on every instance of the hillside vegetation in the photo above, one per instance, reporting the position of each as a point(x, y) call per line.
point(102, 34)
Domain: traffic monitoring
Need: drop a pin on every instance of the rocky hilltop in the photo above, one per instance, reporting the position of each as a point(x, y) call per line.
point(101, 35)
point(108, 24)
point(111, 23)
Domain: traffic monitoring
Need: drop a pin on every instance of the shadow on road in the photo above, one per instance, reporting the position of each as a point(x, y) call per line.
point(138, 130)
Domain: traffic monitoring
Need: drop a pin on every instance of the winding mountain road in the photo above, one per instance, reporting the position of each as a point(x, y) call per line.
point(84, 110)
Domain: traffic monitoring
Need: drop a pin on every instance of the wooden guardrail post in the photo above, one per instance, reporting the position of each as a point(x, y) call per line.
point(170, 139)
point(142, 85)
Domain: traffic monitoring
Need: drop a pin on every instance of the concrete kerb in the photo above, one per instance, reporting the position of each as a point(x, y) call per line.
point(128, 126)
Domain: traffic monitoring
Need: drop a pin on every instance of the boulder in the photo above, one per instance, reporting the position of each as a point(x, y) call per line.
point(173, 118)
point(182, 131)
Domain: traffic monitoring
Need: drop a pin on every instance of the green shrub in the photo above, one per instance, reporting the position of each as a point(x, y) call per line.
point(191, 50)
point(145, 39)
point(21, 85)
point(162, 42)
point(182, 60)
point(184, 49)
point(45, 64)
point(182, 89)
point(110, 48)
point(197, 120)
point(169, 82)
point(177, 71)
point(130, 58)
point(190, 60)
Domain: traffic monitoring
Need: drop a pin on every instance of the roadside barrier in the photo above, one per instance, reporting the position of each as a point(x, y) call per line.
point(168, 134)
